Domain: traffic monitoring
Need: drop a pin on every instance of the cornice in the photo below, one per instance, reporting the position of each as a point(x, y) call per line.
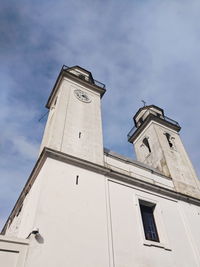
point(150, 118)
point(120, 176)
point(9, 239)
point(116, 175)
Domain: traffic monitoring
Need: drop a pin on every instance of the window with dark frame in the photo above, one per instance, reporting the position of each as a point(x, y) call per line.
point(146, 143)
point(168, 136)
point(149, 225)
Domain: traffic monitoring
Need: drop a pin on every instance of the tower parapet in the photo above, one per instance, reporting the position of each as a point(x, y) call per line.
point(150, 113)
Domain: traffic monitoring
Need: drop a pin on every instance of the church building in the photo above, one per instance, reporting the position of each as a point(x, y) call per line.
point(86, 206)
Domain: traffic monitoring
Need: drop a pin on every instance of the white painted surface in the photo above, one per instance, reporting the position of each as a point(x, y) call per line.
point(70, 216)
point(75, 127)
point(97, 222)
point(130, 248)
point(138, 172)
point(173, 162)
point(13, 252)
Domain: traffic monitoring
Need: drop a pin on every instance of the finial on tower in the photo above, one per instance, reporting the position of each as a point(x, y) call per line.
point(144, 103)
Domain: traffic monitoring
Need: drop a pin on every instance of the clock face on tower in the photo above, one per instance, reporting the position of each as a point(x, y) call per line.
point(82, 96)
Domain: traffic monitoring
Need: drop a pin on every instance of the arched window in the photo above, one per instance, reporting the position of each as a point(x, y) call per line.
point(146, 143)
point(168, 136)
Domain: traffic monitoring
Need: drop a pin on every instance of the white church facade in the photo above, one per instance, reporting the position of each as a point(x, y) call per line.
point(86, 206)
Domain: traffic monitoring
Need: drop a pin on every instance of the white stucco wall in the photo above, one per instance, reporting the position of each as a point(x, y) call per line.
point(173, 162)
point(97, 222)
point(75, 127)
point(13, 251)
point(72, 218)
point(178, 246)
point(135, 171)
point(24, 222)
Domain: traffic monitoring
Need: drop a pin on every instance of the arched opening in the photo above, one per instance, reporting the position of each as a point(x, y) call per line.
point(146, 143)
point(168, 136)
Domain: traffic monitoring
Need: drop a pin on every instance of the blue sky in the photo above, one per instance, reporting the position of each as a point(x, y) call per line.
point(147, 49)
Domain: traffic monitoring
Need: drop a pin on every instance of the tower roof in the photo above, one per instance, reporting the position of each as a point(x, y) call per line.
point(77, 69)
point(145, 108)
point(77, 74)
point(147, 114)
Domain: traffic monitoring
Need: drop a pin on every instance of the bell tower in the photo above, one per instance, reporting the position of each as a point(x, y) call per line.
point(74, 123)
point(157, 143)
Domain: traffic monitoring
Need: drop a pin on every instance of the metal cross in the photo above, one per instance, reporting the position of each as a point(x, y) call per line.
point(143, 102)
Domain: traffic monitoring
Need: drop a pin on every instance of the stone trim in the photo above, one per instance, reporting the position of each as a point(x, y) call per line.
point(14, 240)
point(60, 156)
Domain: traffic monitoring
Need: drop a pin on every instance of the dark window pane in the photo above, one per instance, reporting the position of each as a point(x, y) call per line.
point(169, 139)
point(146, 143)
point(149, 223)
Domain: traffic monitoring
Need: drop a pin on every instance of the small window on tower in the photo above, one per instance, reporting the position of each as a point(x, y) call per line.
point(146, 143)
point(149, 225)
point(169, 139)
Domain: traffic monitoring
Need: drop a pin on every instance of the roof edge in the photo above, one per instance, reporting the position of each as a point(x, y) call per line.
point(64, 73)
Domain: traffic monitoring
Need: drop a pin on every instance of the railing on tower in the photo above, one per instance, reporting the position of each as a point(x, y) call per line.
point(131, 132)
point(85, 78)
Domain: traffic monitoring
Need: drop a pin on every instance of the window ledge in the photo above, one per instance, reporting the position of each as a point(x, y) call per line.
point(150, 243)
